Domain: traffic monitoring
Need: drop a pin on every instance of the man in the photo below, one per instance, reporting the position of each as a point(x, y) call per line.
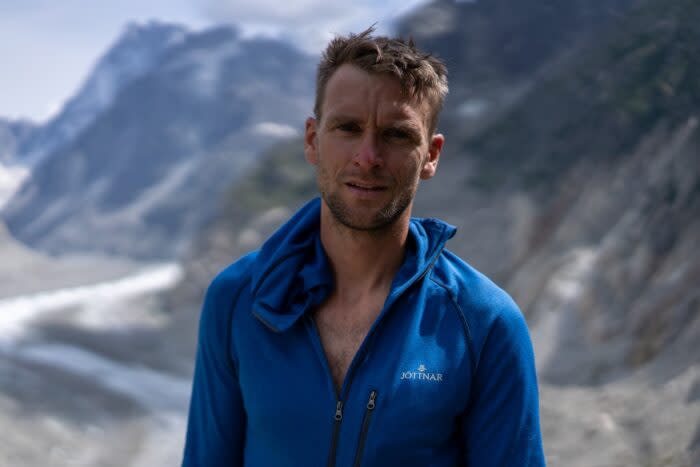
point(352, 337)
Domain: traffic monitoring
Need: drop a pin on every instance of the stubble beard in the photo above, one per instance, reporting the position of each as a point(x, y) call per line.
point(382, 220)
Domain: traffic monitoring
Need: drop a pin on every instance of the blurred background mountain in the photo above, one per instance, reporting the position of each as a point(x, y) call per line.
point(571, 169)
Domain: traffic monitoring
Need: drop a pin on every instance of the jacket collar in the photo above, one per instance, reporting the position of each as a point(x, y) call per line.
point(291, 273)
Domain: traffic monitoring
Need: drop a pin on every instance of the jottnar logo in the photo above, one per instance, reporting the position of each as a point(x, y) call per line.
point(421, 374)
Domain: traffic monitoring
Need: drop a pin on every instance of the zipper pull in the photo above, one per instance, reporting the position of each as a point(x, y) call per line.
point(339, 411)
point(371, 402)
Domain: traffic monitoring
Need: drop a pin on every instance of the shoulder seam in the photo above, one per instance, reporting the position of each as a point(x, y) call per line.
point(463, 319)
point(230, 361)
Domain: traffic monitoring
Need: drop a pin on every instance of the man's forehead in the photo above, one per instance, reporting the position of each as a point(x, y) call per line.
point(348, 78)
point(353, 91)
point(351, 110)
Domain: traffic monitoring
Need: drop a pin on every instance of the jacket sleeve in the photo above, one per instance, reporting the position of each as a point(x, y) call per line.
point(501, 425)
point(216, 423)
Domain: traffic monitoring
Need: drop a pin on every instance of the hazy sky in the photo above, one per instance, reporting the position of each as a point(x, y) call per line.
point(47, 47)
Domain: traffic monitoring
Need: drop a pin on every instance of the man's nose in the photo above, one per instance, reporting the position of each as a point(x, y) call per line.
point(368, 153)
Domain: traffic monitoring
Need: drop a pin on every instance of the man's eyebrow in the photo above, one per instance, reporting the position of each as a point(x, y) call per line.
point(405, 125)
point(333, 119)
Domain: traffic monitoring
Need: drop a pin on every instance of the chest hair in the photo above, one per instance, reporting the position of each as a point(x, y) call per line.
point(342, 332)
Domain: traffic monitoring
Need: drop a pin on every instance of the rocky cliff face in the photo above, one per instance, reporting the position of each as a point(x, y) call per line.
point(594, 176)
point(581, 196)
point(582, 199)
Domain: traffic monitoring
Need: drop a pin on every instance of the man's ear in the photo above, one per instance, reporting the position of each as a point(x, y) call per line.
point(310, 141)
point(430, 166)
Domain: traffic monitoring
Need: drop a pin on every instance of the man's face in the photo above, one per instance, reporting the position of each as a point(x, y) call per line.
point(371, 147)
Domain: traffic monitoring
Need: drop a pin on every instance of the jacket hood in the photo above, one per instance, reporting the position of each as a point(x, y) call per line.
point(291, 273)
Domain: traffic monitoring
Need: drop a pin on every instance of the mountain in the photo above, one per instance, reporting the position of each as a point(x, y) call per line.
point(152, 166)
point(135, 53)
point(24, 145)
point(581, 196)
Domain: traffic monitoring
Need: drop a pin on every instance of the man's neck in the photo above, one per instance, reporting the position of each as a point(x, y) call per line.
point(363, 261)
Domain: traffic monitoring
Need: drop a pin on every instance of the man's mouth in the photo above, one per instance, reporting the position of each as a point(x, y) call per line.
point(365, 186)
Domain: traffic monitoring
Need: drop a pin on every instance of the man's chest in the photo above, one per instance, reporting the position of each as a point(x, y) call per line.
point(342, 333)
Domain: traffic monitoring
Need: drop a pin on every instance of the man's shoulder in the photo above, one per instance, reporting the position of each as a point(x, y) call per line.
point(467, 283)
point(482, 303)
point(230, 280)
point(221, 296)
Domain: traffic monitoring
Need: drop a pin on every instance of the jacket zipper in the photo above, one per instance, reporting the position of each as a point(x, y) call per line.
point(371, 404)
point(338, 417)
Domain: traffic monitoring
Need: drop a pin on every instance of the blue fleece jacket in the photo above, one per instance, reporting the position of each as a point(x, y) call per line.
point(445, 376)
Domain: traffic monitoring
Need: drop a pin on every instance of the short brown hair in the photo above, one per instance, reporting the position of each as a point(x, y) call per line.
point(421, 75)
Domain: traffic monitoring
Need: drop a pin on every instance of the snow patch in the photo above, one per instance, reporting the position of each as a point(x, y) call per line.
point(207, 64)
point(472, 108)
point(16, 312)
point(568, 283)
point(11, 178)
point(275, 130)
point(558, 322)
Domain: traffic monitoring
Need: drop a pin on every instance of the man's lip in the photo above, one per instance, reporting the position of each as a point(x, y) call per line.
point(365, 185)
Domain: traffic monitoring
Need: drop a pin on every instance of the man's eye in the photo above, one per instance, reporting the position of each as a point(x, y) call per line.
point(349, 127)
point(397, 134)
